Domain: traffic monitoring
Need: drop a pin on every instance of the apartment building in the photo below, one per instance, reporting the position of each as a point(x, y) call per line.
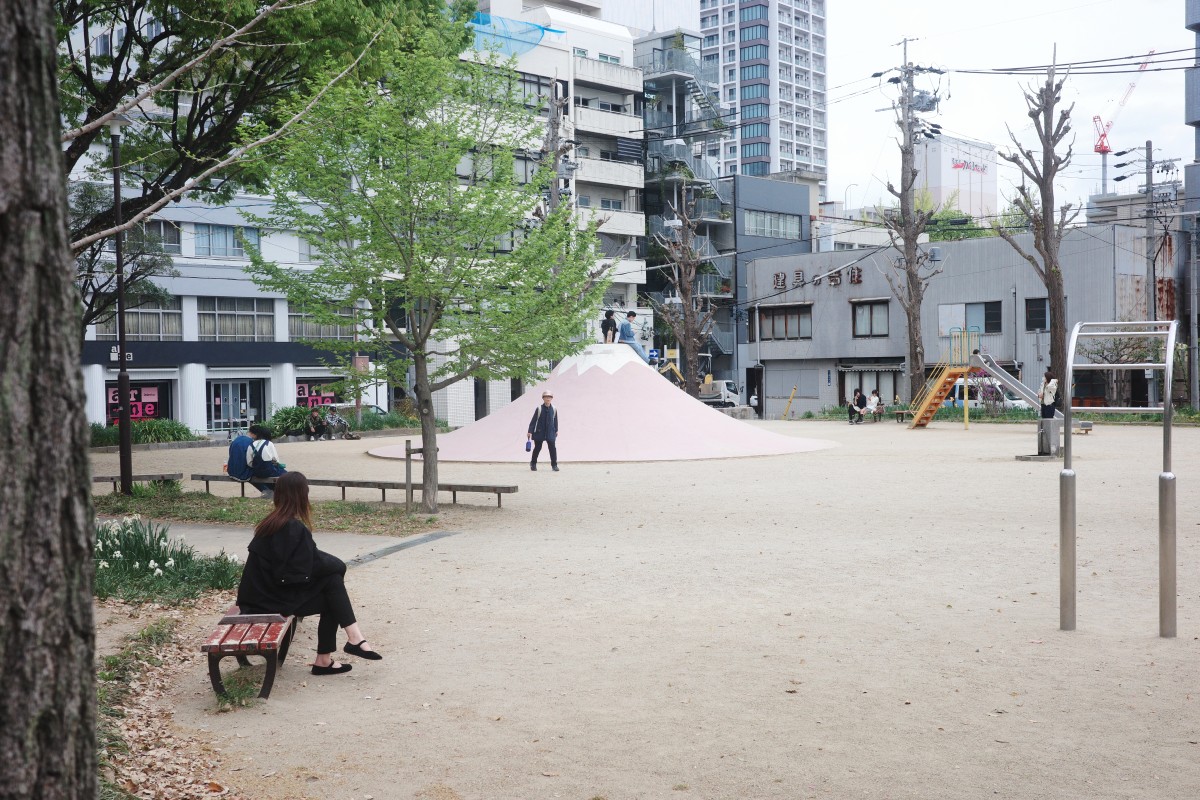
point(220, 353)
point(770, 55)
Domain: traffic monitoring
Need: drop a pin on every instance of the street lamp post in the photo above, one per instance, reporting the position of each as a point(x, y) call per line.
point(124, 423)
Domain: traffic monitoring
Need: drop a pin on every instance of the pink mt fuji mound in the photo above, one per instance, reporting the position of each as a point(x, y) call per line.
point(613, 407)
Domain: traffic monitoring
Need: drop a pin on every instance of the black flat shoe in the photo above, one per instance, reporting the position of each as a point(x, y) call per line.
point(356, 650)
point(332, 669)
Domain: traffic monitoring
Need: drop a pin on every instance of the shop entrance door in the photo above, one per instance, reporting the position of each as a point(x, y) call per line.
point(229, 405)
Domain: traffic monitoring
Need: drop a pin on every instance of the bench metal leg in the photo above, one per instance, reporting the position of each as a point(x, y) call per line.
point(286, 644)
point(343, 493)
point(214, 673)
point(454, 498)
point(272, 657)
point(498, 496)
point(384, 493)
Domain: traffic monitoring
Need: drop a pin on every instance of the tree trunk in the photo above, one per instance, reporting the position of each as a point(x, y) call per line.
point(1058, 321)
point(47, 697)
point(429, 459)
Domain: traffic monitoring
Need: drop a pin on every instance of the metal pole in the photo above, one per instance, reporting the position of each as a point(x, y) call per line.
point(1152, 283)
point(1066, 549)
point(408, 492)
point(1166, 555)
point(124, 423)
point(1193, 377)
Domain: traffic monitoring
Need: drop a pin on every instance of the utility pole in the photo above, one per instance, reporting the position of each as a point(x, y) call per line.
point(910, 281)
point(1152, 282)
point(1194, 296)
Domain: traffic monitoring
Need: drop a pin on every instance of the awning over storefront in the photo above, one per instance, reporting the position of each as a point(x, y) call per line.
point(889, 367)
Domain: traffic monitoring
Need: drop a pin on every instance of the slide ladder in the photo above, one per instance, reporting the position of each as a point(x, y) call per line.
point(935, 392)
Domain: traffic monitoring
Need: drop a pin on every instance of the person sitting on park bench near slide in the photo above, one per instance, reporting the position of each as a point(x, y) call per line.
point(286, 574)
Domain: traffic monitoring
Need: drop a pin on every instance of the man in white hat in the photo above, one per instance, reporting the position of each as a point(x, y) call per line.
point(544, 428)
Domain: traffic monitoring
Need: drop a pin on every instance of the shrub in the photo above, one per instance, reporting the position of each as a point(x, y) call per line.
point(379, 422)
point(143, 431)
point(136, 561)
point(289, 420)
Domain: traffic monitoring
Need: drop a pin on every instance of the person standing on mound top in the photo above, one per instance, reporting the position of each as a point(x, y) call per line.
point(543, 428)
point(630, 338)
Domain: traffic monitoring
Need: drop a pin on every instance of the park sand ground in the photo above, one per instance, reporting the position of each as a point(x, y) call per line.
point(875, 620)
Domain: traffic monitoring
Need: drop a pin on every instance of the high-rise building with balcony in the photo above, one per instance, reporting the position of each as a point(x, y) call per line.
point(770, 57)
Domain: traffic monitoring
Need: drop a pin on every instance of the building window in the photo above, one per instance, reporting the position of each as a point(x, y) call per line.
point(607, 59)
point(730, 55)
point(235, 319)
point(711, 59)
point(710, 40)
point(305, 249)
point(103, 45)
point(871, 319)
point(753, 13)
point(1037, 313)
point(755, 51)
point(580, 52)
point(778, 323)
point(584, 201)
point(224, 240)
point(165, 233)
point(757, 168)
point(729, 15)
point(756, 129)
point(753, 32)
point(984, 316)
point(755, 91)
point(710, 21)
point(301, 326)
point(611, 205)
point(154, 321)
point(731, 94)
point(755, 110)
point(730, 36)
point(756, 149)
point(754, 71)
point(731, 75)
point(771, 224)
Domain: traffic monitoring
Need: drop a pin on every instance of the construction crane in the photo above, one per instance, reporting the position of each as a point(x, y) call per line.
point(1102, 127)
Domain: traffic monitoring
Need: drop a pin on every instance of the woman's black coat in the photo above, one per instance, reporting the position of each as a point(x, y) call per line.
point(282, 571)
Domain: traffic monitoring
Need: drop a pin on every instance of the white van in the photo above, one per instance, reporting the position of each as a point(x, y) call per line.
point(990, 388)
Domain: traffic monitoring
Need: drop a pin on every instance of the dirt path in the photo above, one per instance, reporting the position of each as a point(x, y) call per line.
point(875, 620)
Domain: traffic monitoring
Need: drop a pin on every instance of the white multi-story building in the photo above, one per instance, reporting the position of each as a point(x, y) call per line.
point(959, 170)
point(771, 57)
point(220, 352)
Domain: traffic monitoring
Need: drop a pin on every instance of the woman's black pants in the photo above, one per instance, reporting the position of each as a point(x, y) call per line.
point(333, 604)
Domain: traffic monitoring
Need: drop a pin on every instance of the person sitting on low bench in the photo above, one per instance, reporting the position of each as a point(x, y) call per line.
point(286, 574)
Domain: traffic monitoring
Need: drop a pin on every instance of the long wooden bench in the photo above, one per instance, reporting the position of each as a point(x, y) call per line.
point(115, 480)
point(382, 486)
point(242, 635)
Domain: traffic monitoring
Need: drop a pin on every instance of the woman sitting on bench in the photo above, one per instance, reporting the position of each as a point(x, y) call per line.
point(286, 574)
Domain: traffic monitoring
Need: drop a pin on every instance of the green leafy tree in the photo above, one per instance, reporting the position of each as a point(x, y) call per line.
point(189, 76)
point(455, 265)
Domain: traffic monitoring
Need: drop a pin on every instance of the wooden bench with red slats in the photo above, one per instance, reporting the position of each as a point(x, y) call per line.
point(242, 635)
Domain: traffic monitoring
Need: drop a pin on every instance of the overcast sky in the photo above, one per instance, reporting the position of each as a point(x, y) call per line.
point(967, 34)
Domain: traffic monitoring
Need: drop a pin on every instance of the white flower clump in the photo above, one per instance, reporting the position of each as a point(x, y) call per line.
point(103, 565)
point(157, 572)
point(135, 565)
point(170, 563)
point(117, 554)
point(153, 564)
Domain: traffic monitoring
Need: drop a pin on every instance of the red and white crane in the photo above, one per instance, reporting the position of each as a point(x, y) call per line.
point(1102, 127)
